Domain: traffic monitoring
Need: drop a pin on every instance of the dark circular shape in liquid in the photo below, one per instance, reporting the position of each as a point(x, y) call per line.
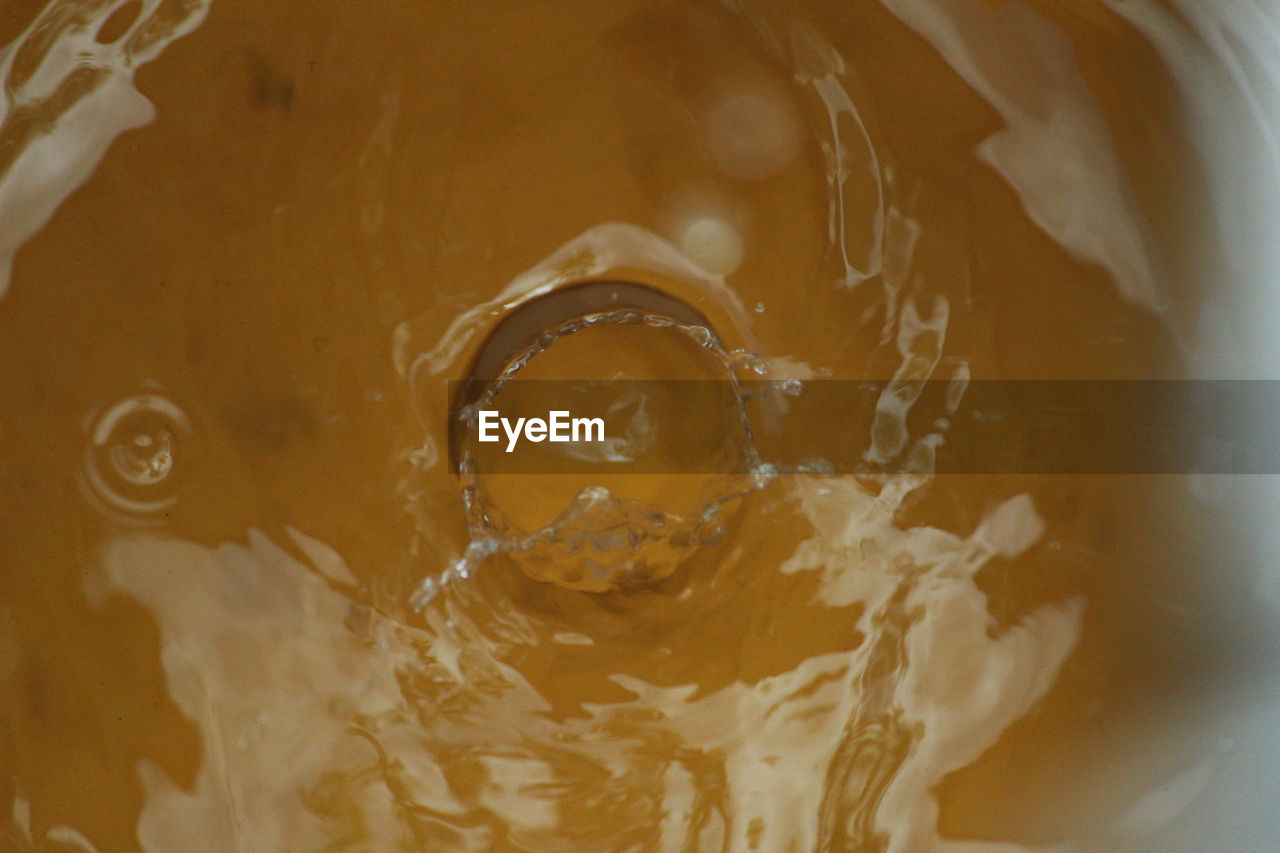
point(520, 330)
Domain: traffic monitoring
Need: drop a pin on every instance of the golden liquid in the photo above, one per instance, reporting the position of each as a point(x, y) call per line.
point(327, 186)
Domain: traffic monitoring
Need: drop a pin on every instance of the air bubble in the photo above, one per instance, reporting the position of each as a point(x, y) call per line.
point(747, 361)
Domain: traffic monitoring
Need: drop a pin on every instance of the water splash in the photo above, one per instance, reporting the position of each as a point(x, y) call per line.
point(602, 541)
point(589, 529)
point(327, 723)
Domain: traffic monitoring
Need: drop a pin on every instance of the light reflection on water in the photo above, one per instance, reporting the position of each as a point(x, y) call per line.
point(884, 182)
point(321, 717)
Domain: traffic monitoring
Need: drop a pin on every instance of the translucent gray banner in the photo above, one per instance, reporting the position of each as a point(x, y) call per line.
point(867, 427)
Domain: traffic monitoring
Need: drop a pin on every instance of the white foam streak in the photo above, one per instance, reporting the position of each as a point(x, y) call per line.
point(1056, 151)
point(856, 204)
point(1225, 58)
point(257, 658)
point(259, 654)
point(63, 115)
point(958, 684)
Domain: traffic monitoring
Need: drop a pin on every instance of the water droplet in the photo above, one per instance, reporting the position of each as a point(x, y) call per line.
point(136, 456)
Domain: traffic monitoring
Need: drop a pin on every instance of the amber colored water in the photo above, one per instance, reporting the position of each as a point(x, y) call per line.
point(264, 291)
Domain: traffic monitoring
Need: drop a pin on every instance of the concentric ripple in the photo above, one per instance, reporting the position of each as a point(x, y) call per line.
point(136, 458)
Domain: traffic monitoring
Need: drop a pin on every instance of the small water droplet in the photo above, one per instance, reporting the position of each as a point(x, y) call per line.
point(764, 474)
point(744, 360)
